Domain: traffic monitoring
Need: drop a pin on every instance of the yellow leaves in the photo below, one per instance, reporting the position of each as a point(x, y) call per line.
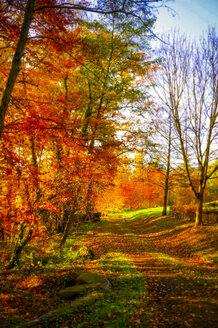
point(18, 202)
point(187, 324)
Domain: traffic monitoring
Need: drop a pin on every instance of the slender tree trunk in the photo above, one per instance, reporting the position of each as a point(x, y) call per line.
point(2, 235)
point(23, 239)
point(35, 165)
point(25, 234)
point(66, 230)
point(88, 114)
point(199, 212)
point(165, 196)
point(15, 67)
point(89, 200)
point(166, 189)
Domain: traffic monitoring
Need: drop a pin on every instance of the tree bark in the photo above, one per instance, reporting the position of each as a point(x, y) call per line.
point(166, 195)
point(89, 200)
point(66, 230)
point(15, 67)
point(166, 189)
point(35, 165)
point(199, 211)
point(23, 239)
point(88, 114)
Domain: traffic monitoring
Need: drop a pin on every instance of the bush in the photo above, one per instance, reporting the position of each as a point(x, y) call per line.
point(184, 211)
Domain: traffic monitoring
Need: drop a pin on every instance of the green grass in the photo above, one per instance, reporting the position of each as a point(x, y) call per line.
point(144, 212)
point(211, 203)
point(47, 256)
point(166, 224)
point(118, 306)
point(211, 206)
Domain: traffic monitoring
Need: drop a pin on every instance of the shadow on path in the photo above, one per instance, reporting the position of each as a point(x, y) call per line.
point(179, 294)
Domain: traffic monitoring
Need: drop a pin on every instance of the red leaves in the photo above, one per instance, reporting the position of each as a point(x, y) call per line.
point(62, 99)
point(49, 159)
point(49, 207)
point(69, 63)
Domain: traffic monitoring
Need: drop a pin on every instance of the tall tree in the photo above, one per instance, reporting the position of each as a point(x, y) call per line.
point(188, 87)
point(60, 145)
point(37, 14)
point(112, 66)
point(166, 145)
point(166, 187)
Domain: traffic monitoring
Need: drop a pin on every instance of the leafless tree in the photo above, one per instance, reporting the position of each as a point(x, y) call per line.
point(187, 85)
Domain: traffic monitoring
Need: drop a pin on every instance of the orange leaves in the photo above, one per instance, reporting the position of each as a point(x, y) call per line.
point(134, 189)
point(62, 99)
point(29, 282)
point(113, 160)
point(98, 120)
point(48, 161)
point(69, 63)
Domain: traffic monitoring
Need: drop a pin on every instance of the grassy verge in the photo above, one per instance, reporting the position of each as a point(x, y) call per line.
point(45, 256)
point(119, 305)
point(192, 273)
point(144, 212)
point(211, 204)
point(179, 237)
point(42, 271)
point(211, 207)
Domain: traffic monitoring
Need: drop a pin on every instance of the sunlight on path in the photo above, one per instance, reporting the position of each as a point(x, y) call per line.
point(177, 295)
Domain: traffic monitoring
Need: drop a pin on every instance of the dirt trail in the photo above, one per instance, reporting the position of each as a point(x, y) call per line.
point(179, 294)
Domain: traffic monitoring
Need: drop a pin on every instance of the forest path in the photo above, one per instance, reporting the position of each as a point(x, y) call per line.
point(179, 294)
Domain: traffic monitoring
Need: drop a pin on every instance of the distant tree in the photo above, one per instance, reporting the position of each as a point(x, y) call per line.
point(165, 146)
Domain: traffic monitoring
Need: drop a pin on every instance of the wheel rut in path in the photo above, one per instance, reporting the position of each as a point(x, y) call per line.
point(178, 295)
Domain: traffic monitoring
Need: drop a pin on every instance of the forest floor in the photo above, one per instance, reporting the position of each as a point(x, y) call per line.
point(163, 273)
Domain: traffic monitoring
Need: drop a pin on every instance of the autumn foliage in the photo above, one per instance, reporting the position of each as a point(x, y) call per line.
point(73, 98)
point(59, 148)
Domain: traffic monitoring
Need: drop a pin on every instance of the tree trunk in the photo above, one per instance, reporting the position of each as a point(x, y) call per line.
point(166, 189)
point(165, 198)
point(23, 238)
point(88, 114)
point(90, 203)
point(199, 212)
point(2, 235)
point(66, 230)
point(15, 67)
point(35, 165)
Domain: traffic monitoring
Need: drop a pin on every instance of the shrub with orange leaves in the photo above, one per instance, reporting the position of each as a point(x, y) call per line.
point(184, 211)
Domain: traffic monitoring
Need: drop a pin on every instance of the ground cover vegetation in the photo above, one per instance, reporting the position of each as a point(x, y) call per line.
point(99, 175)
point(162, 271)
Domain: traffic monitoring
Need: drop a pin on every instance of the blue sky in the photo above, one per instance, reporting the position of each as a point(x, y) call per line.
point(191, 16)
